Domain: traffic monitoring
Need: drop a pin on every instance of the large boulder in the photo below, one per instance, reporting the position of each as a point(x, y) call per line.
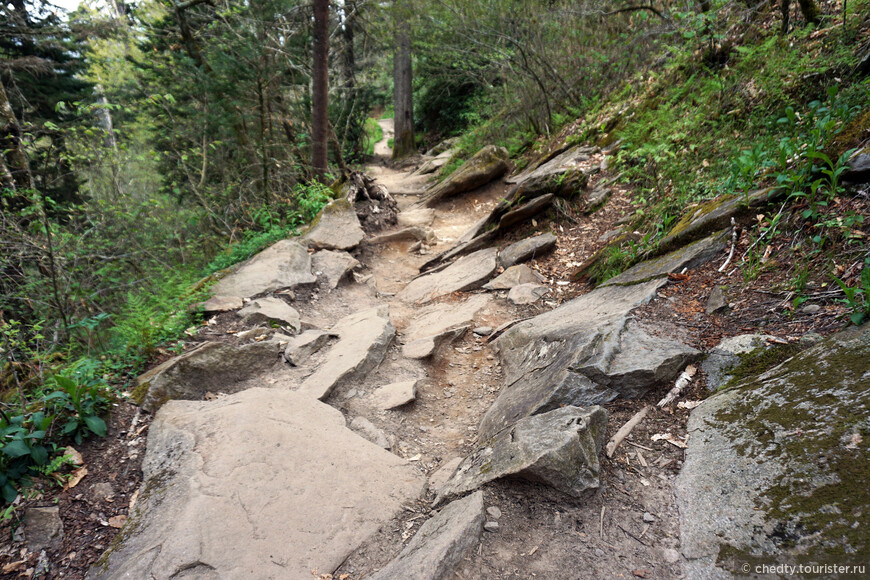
point(212, 367)
point(438, 324)
point(440, 544)
point(364, 338)
point(466, 273)
point(262, 484)
point(285, 264)
point(333, 267)
point(562, 162)
point(559, 448)
point(336, 227)
point(777, 466)
point(489, 163)
point(584, 352)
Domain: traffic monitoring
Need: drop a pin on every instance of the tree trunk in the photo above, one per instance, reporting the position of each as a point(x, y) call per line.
point(403, 95)
point(320, 98)
point(16, 164)
point(810, 10)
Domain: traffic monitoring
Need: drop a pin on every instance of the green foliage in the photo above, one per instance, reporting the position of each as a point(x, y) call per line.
point(857, 298)
point(373, 134)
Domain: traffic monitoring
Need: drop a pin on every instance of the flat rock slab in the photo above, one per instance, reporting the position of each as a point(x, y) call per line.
point(221, 304)
point(436, 318)
point(262, 484)
point(582, 353)
point(489, 163)
point(43, 528)
point(776, 468)
point(526, 249)
point(420, 217)
point(395, 394)
point(514, 276)
point(336, 227)
point(271, 310)
point(572, 158)
point(692, 256)
point(368, 431)
point(333, 267)
point(440, 544)
point(364, 338)
point(559, 448)
point(210, 367)
point(285, 264)
point(726, 355)
point(443, 474)
point(715, 215)
point(300, 348)
point(527, 293)
point(466, 273)
point(427, 346)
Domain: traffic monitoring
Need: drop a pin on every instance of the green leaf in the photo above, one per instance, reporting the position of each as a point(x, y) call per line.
point(16, 448)
point(857, 318)
point(39, 455)
point(9, 493)
point(96, 425)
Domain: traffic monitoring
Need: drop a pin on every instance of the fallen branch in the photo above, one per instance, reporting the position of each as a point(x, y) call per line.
point(734, 235)
point(625, 430)
point(682, 381)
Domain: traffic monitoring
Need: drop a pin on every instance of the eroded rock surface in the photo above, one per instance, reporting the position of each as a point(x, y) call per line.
point(285, 264)
point(336, 228)
point(300, 348)
point(466, 273)
point(301, 490)
point(440, 544)
point(777, 467)
point(526, 249)
point(271, 310)
point(559, 448)
point(514, 276)
point(363, 341)
point(333, 267)
point(489, 163)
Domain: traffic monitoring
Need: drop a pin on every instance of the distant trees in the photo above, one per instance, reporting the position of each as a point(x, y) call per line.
point(320, 98)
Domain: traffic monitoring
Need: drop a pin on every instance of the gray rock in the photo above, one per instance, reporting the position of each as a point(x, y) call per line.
point(103, 491)
point(859, 164)
point(526, 249)
point(436, 318)
point(725, 356)
point(482, 331)
point(419, 233)
point(420, 217)
point(43, 528)
point(811, 309)
point(221, 304)
point(300, 348)
point(427, 346)
point(514, 276)
point(434, 164)
point(527, 293)
point(572, 158)
point(491, 526)
point(364, 338)
point(493, 512)
point(262, 484)
point(776, 466)
point(715, 215)
point(285, 264)
point(524, 212)
point(597, 198)
point(584, 352)
point(336, 227)
point(716, 303)
point(564, 183)
point(610, 235)
point(443, 474)
point(489, 163)
point(692, 256)
point(559, 448)
point(648, 517)
point(395, 394)
point(334, 267)
point(466, 273)
point(271, 310)
point(440, 544)
point(367, 430)
point(670, 555)
point(210, 367)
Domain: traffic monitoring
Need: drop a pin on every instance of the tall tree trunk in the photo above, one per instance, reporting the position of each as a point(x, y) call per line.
point(320, 98)
point(10, 145)
point(810, 11)
point(403, 95)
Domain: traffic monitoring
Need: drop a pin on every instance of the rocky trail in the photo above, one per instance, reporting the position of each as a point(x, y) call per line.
point(431, 401)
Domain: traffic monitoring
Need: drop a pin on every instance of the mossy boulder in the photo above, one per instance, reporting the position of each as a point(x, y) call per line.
point(715, 214)
point(777, 465)
point(488, 164)
point(563, 183)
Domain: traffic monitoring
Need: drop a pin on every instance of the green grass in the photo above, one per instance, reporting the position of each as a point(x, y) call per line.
point(373, 134)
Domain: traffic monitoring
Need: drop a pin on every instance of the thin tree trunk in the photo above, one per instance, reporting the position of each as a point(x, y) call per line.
point(320, 100)
point(403, 96)
point(10, 144)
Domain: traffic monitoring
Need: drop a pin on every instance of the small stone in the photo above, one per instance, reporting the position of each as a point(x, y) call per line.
point(716, 303)
point(599, 552)
point(483, 330)
point(491, 526)
point(367, 430)
point(493, 512)
point(811, 309)
point(648, 517)
point(271, 310)
point(395, 394)
point(527, 293)
point(670, 555)
point(43, 528)
point(103, 491)
point(350, 394)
